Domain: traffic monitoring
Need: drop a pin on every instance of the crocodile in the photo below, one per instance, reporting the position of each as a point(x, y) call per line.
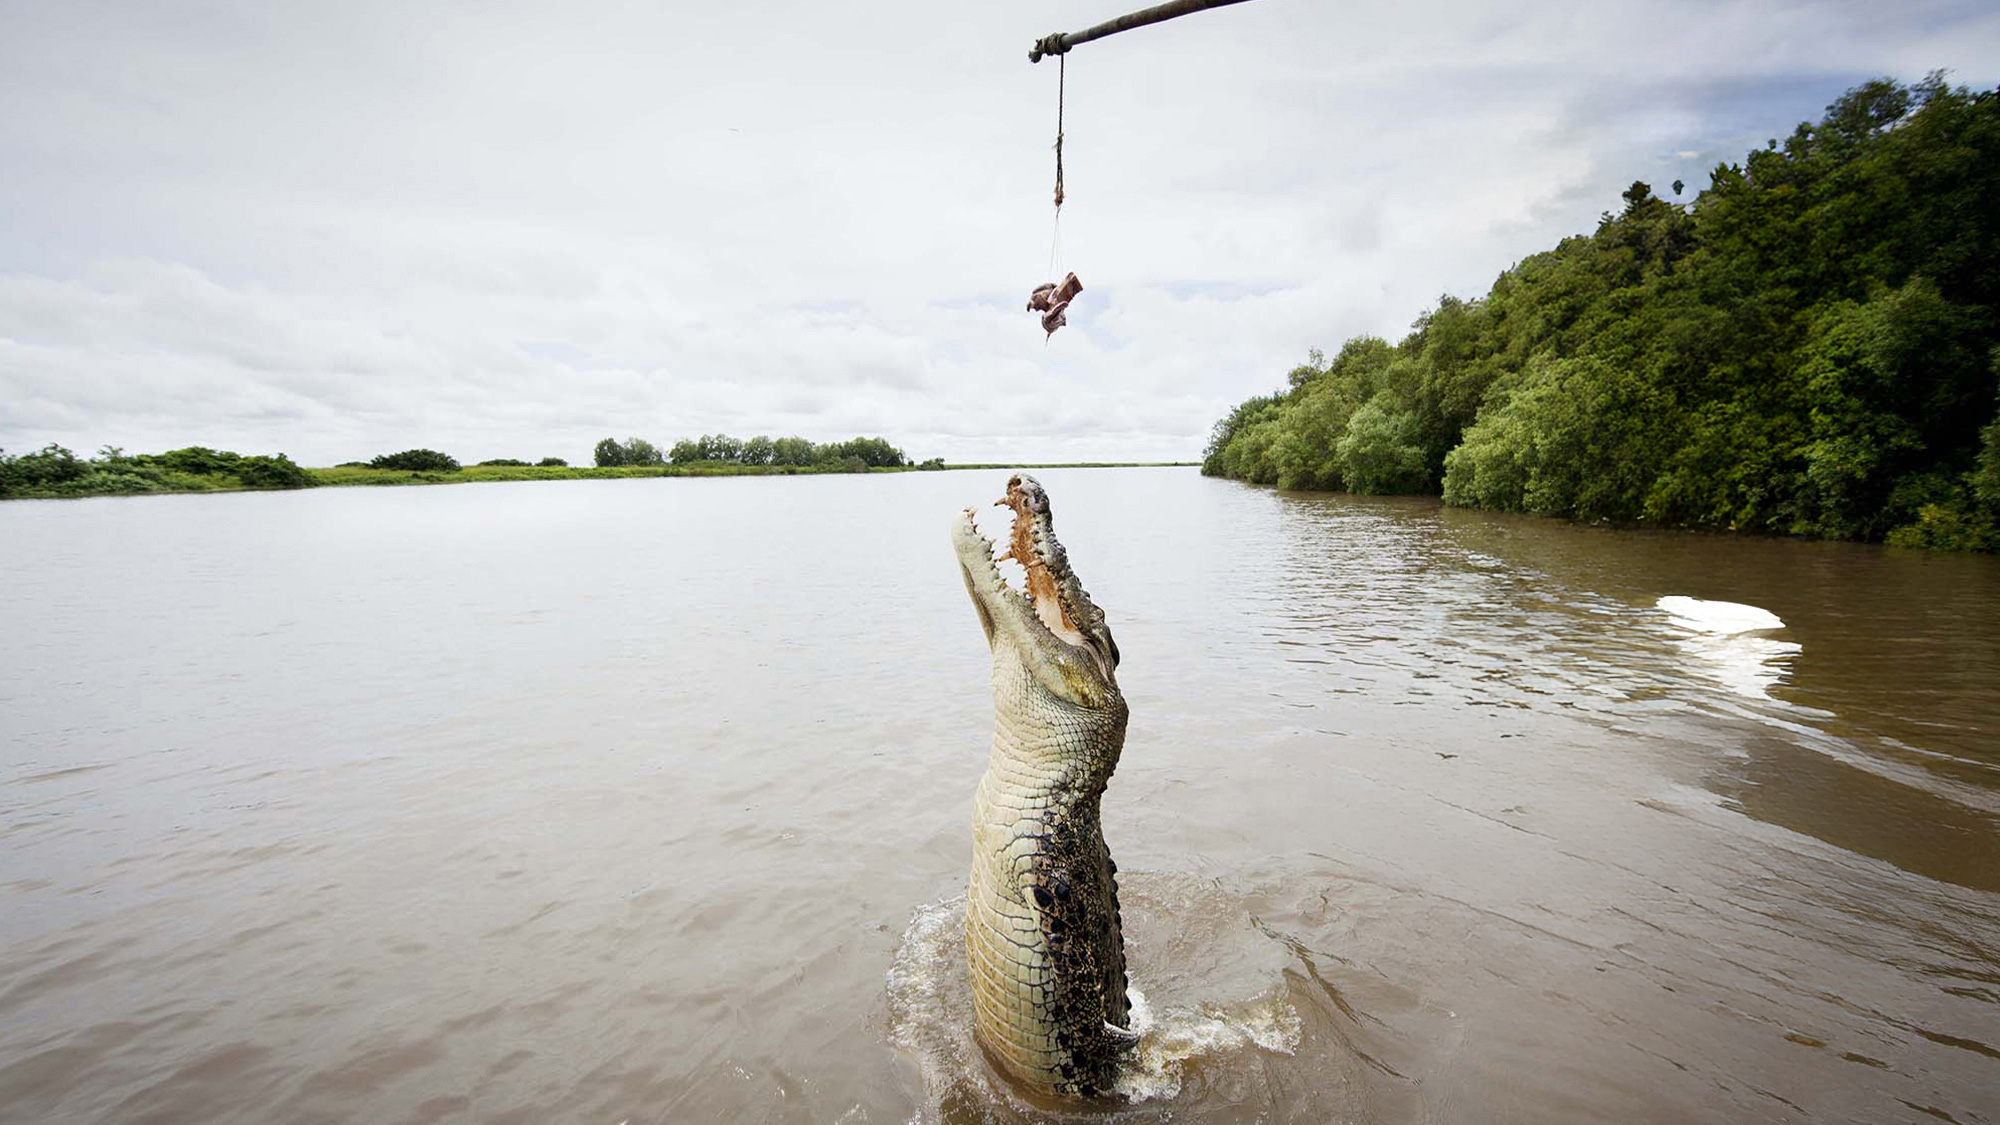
point(1045, 946)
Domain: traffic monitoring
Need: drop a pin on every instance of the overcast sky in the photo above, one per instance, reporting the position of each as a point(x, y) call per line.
point(339, 229)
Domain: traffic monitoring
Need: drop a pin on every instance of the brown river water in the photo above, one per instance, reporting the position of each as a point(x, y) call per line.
point(647, 801)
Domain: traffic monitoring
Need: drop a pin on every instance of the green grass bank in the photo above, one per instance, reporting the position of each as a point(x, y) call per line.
point(55, 473)
point(346, 476)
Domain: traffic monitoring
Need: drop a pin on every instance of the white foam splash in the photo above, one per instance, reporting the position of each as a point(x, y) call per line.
point(1722, 638)
point(1178, 1037)
point(1698, 615)
point(922, 966)
point(930, 1016)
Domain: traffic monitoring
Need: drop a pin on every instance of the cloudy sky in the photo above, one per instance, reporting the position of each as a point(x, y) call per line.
point(338, 229)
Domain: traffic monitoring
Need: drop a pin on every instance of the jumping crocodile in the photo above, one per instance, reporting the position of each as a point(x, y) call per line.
point(1044, 940)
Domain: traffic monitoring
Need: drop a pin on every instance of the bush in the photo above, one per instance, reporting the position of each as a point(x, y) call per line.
point(197, 459)
point(791, 451)
point(55, 471)
point(612, 453)
point(417, 460)
point(1579, 438)
point(873, 451)
point(1380, 450)
point(552, 463)
point(785, 451)
point(51, 466)
point(276, 471)
point(509, 461)
point(720, 447)
point(1947, 527)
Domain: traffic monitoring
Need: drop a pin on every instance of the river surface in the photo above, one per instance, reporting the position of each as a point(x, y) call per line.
point(647, 801)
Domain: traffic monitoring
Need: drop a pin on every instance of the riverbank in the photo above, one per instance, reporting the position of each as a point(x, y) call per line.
point(352, 476)
point(347, 476)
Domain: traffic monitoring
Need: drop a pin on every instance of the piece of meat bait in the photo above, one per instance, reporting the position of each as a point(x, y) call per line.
point(1052, 300)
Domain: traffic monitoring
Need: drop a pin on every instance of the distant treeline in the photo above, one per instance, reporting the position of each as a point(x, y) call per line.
point(431, 461)
point(855, 455)
point(1808, 349)
point(56, 472)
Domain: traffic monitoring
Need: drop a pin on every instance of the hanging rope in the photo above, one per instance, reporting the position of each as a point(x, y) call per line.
point(1055, 244)
point(1062, 79)
point(1055, 235)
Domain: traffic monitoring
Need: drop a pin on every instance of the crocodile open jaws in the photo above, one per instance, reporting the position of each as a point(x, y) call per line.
point(1044, 941)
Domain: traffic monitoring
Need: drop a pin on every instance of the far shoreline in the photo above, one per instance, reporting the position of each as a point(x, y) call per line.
point(361, 477)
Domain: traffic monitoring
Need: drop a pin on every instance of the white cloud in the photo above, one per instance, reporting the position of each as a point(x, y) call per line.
point(340, 229)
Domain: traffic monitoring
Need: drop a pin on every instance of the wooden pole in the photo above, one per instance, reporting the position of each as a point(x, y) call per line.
point(1060, 43)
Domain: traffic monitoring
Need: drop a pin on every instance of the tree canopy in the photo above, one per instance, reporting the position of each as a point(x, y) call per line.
point(417, 460)
point(1811, 347)
point(857, 454)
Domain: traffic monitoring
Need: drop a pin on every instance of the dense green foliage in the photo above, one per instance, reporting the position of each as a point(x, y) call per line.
point(1812, 347)
point(854, 455)
point(612, 453)
point(517, 463)
point(417, 460)
point(56, 472)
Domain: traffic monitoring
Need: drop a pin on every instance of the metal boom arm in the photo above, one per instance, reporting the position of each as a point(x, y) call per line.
point(1060, 43)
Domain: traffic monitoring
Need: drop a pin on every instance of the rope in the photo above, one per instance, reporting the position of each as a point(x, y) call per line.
point(1055, 245)
point(1062, 80)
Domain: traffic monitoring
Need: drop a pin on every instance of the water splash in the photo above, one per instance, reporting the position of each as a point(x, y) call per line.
point(1703, 616)
point(931, 1018)
point(1182, 1037)
point(1723, 639)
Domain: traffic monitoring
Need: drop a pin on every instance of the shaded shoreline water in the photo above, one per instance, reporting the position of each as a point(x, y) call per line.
point(646, 800)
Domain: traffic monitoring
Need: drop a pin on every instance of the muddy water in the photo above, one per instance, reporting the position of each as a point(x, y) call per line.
point(646, 801)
